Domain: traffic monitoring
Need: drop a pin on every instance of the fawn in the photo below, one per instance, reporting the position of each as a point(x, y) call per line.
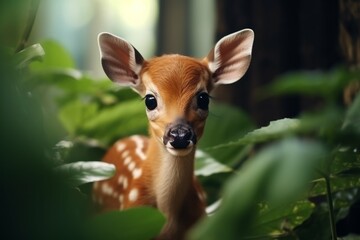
point(159, 171)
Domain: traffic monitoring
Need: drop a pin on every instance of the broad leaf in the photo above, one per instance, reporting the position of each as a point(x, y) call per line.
point(75, 114)
point(56, 57)
point(224, 124)
point(346, 162)
point(79, 173)
point(323, 123)
point(205, 165)
point(316, 227)
point(117, 121)
point(275, 130)
point(135, 224)
point(351, 237)
point(315, 83)
point(337, 184)
point(352, 117)
point(275, 221)
point(29, 54)
point(278, 174)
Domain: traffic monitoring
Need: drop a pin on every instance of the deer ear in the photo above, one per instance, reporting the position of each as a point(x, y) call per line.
point(230, 58)
point(121, 62)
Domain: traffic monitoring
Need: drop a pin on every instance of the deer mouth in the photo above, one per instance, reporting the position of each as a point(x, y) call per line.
point(180, 152)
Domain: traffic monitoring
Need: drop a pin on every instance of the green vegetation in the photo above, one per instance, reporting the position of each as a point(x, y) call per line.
point(293, 179)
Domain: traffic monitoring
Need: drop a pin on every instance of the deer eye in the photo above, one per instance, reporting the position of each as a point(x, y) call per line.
point(203, 101)
point(150, 102)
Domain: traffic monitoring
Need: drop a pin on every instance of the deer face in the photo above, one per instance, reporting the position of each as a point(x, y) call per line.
point(176, 98)
point(176, 88)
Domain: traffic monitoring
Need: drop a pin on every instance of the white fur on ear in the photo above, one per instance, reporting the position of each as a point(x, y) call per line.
point(230, 58)
point(121, 62)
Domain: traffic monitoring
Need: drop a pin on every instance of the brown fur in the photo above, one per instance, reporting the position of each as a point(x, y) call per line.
point(151, 171)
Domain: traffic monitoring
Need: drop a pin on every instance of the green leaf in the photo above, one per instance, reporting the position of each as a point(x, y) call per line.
point(278, 174)
point(205, 165)
point(323, 123)
point(79, 173)
point(75, 114)
point(233, 152)
point(352, 117)
point(351, 237)
point(135, 224)
point(337, 184)
point(314, 83)
point(346, 160)
point(316, 227)
point(117, 121)
point(224, 124)
point(275, 221)
point(275, 130)
point(29, 54)
point(56, 57)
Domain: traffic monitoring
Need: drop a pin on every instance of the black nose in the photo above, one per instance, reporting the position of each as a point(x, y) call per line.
point(180, 136)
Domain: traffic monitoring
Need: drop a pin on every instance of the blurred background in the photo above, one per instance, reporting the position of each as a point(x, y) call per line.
point(289, 36)
point(154, 27)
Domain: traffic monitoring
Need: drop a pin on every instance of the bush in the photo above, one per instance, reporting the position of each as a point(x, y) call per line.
point(292, 179)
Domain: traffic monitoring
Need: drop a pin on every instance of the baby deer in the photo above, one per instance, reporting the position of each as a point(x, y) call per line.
point(159, 171)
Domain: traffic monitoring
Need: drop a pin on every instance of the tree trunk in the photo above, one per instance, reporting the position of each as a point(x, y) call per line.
point(350, 41)
point(289, 36)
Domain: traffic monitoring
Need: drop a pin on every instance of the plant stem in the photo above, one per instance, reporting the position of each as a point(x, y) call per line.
point(331, 208)
point(34, 6)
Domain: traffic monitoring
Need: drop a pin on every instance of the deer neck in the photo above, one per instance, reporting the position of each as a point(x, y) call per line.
point(173, 178)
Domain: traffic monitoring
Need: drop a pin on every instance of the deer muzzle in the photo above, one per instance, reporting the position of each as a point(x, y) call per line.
point(179, 136)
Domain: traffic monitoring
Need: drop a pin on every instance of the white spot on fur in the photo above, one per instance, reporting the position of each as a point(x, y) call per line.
point(139, 142)
point(121, 201)
point(133, 195)
point(125, 183)
point(107, 189)
point(120, 147)
point(125, 154)
point(137, 173)
point(121, 198)
point(127, 160)
point(131, 166)
point(121, 179)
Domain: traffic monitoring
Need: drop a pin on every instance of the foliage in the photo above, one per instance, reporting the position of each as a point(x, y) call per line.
point(79, 173)
point(313, 148)
point(127, 224)
point(285, 180)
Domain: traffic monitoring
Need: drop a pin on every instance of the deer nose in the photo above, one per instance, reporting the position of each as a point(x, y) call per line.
point(180, 136)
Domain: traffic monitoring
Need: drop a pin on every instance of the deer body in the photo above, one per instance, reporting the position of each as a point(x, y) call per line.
point(159, 171)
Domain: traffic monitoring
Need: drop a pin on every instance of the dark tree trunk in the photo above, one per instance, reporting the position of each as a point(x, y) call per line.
point(350, 41)
point(349, 21)
point(289, 36)
point(350, 31)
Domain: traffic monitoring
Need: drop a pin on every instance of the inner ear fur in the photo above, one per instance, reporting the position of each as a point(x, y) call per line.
point(229, 60)
point(121, 62)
